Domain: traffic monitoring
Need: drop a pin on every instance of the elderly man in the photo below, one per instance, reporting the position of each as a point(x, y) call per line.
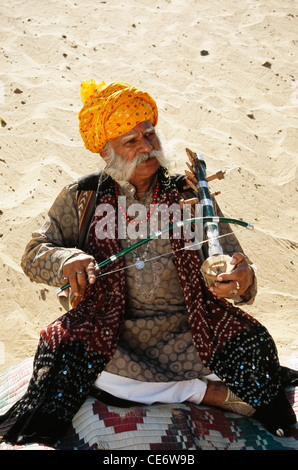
point(146, 328)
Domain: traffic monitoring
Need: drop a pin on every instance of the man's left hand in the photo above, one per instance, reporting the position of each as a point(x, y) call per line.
point(236, 282)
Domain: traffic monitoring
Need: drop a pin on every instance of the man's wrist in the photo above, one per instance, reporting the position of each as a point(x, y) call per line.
point(250, 291)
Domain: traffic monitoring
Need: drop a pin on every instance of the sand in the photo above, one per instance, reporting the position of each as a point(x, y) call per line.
point(236, 103)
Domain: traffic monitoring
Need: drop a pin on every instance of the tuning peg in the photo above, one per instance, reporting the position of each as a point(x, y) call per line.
point(215, 194)
point(190, 184)
point(218, 175)
point(191, 176)
point(191, 155)
point(191, 168)
point(191, 201)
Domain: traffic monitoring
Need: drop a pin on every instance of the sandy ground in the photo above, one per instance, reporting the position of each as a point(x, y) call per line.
point(236, 103)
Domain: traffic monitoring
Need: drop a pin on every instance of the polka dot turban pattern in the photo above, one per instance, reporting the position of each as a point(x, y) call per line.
point(112, 110)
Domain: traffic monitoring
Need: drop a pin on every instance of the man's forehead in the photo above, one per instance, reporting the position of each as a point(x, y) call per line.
point(142, 127)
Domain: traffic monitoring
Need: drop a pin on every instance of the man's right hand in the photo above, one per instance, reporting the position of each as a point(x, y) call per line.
point(79, 270)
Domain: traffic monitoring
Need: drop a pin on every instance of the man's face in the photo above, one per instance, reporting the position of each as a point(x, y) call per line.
point(140, 140)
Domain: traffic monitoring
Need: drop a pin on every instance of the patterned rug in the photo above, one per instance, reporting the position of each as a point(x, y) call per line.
point(98, 426)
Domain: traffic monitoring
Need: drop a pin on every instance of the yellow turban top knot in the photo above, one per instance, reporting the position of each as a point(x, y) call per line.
point(112, 110)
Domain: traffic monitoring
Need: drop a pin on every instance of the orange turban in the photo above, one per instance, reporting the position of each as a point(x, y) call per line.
point(112, 110)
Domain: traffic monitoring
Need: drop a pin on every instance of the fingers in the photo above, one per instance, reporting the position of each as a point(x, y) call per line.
point(92, 272)
point(237, 258)
point(80, 271)
point(228, 290)
point(76, 280)
point(238, 261)
point(236, 282)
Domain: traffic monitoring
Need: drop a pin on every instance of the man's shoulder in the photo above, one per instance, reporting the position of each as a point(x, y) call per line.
point(89, 182)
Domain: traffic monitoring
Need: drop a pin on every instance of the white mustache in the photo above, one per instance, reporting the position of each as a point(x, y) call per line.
point(146, 156)
point(122, 170)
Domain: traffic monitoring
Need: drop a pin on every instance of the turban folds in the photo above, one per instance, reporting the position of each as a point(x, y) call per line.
point(112, 110)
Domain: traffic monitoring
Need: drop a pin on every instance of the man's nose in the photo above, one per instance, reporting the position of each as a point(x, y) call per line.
point(145, 146)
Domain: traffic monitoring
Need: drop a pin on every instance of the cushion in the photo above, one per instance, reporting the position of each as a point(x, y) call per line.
point(185, 426)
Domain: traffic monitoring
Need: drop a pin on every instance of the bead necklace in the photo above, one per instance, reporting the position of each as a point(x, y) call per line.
point(151, 208)
point(141, 285)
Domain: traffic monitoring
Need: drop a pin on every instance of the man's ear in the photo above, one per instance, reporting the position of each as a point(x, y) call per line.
point(103, 153)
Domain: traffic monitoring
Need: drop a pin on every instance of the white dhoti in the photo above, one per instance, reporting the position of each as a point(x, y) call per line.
point(154, 392)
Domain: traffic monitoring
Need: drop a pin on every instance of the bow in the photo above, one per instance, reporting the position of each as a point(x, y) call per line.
point(212, 219)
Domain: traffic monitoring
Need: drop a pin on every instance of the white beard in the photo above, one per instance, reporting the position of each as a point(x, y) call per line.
point(122, 170)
